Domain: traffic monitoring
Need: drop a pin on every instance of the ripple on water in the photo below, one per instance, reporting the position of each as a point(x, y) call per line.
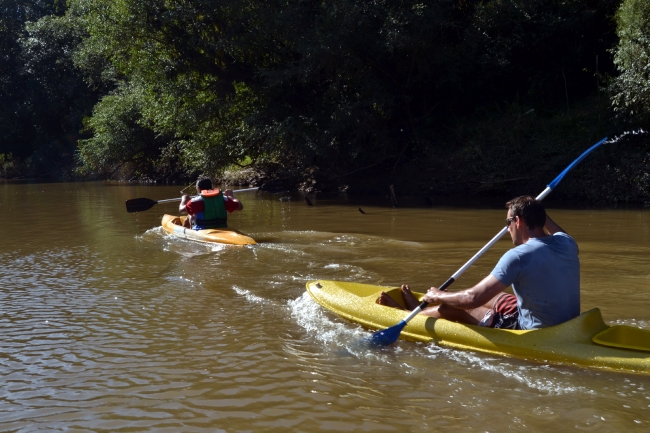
point(343, 337)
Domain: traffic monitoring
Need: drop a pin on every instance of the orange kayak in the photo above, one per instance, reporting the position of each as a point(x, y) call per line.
point(174, 225)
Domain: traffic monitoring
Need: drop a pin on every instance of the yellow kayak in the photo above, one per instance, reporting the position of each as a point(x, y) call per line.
point(586, 340)
point(174, 225)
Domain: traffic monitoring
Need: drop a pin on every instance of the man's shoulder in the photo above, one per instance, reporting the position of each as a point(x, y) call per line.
point(562, 235)
point(512, 255)
point(559, 242)
point(523, 250)
point(194, 206)
point(565, 240)
point(534, 243)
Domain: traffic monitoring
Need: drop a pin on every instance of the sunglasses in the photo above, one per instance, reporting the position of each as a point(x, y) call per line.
point(509, 220)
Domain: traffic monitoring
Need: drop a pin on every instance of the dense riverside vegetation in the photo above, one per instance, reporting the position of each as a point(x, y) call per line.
point(440, 97)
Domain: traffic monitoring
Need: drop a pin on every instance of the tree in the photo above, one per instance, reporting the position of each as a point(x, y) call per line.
point(330, 89)
point(311, 84)
point(44, 96)
point(632, 86)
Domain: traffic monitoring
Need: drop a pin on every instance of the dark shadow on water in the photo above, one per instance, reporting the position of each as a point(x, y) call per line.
point(431, 202)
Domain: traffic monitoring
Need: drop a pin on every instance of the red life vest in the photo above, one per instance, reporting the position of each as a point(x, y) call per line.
point(214, 210)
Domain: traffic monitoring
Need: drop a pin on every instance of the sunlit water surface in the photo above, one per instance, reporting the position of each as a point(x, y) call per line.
point(111, 325)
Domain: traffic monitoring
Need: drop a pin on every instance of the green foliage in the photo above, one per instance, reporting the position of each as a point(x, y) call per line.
point(8, 168)
point(43, 94)
point(632, 86)
point(168, 58)
point(340, 86)
point(542, 50)
point(329, 90)
point(118, 135)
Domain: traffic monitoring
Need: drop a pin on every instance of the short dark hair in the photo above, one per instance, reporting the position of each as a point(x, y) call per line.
point(528, 209)
point(203, 184)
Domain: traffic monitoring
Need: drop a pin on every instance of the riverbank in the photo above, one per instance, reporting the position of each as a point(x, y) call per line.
point(509, 152)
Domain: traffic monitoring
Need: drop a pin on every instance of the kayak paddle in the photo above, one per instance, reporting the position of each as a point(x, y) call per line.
point(390, 335)
point(143, 204)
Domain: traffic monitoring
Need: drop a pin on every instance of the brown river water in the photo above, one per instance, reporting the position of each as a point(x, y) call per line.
point(111, 325)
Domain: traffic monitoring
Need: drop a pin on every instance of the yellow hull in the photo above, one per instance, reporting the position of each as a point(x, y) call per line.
point(585, 341)
point(174, 225)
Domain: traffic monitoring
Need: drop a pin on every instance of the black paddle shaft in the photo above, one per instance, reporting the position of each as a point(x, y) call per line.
point(447, 283)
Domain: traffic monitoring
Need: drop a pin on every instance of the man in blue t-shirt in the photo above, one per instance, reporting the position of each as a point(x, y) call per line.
point(543, 269)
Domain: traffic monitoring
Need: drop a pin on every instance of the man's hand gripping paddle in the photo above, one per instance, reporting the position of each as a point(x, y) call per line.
point(390, 335)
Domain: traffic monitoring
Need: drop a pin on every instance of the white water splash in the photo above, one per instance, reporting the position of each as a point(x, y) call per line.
point(254, 299)
point(643, 324)
point(527, 375)
point(347, 337)
point(619, 137)
point(316, 321)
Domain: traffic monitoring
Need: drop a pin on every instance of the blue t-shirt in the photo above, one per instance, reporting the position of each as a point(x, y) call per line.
point(545, 277)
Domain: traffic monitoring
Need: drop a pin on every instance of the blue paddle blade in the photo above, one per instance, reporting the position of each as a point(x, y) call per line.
point(557, 180)
point(387, 336)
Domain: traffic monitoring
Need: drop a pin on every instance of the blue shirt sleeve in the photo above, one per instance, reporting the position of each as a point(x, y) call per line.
point(508, 268)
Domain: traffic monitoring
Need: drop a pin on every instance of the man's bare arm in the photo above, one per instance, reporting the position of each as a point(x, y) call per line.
point(467, 299)
point(184, 200)
point(231, 196)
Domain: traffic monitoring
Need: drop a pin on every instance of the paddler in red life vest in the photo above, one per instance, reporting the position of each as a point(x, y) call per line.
point(210, 209)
